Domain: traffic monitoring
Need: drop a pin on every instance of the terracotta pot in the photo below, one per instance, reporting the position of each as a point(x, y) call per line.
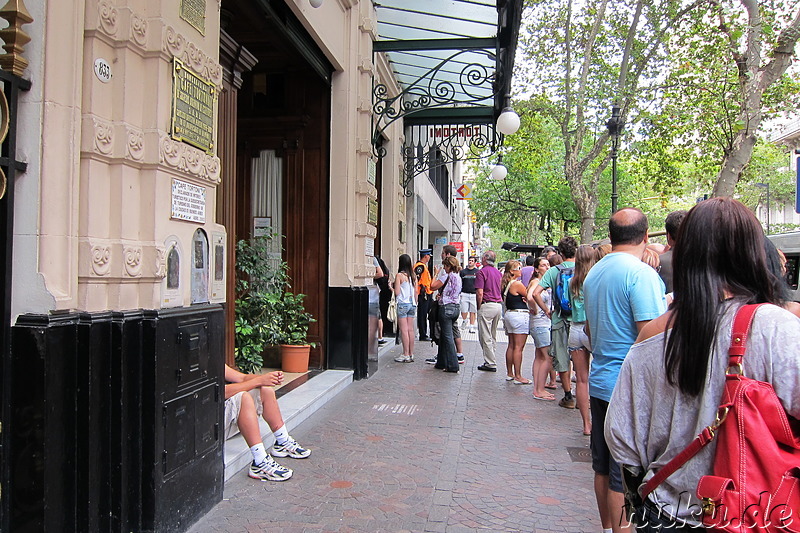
point(295, 358)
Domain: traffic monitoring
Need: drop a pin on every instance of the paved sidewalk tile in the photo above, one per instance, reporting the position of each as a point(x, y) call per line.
point(413, 448)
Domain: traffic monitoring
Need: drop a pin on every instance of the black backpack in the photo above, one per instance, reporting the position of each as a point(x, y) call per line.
point(434, 328)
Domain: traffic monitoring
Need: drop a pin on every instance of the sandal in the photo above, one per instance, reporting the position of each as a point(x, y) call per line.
point(544, 398)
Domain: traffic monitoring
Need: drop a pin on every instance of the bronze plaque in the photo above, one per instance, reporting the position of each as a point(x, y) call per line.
point(194, 12)
point(372, 212)
point(192, 108)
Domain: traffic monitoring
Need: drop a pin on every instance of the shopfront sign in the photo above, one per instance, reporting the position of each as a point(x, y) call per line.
point(193, 101)
point(188, 202)
point(194, 12)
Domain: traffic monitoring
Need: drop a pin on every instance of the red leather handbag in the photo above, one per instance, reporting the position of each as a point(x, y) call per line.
point(755, 486)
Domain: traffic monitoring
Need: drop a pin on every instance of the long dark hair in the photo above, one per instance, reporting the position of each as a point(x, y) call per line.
point(719, 249)
point(404, 266)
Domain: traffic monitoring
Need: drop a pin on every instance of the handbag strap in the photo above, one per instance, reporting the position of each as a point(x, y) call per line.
point(739, 333)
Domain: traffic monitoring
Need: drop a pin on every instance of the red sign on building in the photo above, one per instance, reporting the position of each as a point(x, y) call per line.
point(458, 245)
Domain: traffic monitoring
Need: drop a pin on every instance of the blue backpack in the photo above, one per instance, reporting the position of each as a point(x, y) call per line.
point(561, 301)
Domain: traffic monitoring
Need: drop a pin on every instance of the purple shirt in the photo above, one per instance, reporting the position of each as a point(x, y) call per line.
point(527, 273)
point(488, 278)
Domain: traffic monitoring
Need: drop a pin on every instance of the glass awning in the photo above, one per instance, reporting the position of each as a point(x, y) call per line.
point(453, 59)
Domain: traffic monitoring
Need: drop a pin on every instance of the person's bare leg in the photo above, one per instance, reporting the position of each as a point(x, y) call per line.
point(473, 317)
point(580, 360)
point(402, 323)
point(519, 346)
point(616, 503)
point(601, 495)
point(458, 345)
point(510, 357)
point(408, 344)
point(248, 421)
point(540, 369)
point(272, 413)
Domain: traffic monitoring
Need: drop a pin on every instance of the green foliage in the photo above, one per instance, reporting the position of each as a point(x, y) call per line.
point(267, 312)
point(532, 204)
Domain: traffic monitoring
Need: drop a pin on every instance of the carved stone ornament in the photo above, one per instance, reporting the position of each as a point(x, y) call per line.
point(103, 136)
point(185, 50)
point(101, 260)
point(185, 158)
point(139, 30)
point(109, 18)
point(160, 266)
point(133, 260)
point(135, 145)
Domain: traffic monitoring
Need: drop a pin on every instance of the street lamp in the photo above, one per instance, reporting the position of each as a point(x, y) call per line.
point(614, 125)
point(765, 186)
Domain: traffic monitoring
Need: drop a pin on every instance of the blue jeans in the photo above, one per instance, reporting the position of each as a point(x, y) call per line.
point(446, 356)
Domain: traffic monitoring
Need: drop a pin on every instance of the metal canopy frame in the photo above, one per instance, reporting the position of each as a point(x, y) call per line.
point(453, 61)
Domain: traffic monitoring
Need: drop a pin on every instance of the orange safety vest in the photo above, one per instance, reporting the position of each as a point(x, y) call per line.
point(423, 279)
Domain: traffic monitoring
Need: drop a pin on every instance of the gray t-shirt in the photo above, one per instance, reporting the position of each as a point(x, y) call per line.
point(649, 422)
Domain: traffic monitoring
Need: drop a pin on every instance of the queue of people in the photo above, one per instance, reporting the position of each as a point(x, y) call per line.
point(644, 330)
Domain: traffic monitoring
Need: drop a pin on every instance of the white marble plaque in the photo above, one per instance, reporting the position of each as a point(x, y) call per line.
point(188, 202)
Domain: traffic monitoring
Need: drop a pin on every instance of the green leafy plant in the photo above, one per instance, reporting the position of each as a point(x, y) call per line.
point(267, 312)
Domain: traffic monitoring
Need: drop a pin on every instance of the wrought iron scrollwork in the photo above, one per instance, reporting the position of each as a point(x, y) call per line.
point(474, 84)
point(433, 146)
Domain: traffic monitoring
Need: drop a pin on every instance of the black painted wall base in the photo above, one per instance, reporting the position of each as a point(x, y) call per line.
point(348, 329)
point(115, 420)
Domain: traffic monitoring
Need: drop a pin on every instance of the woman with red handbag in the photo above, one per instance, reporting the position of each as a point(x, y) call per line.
point(687, 374)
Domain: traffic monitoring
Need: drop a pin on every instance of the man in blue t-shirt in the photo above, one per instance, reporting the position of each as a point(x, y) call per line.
point(621, 295)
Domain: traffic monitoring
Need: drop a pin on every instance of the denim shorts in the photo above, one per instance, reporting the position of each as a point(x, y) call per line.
point(541, 336)
point(406, 310)
point(577, 337)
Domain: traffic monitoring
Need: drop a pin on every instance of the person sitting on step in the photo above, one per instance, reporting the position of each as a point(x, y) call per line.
point(241, 411)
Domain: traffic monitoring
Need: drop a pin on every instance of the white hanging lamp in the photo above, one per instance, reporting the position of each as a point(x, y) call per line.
point(508, 121)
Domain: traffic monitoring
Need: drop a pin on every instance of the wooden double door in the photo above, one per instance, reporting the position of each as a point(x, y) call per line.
point(274, 116)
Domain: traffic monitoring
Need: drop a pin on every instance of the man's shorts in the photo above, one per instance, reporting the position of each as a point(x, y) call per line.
point(602, 462)
point(468, 303)
point(558, 347)
point(456, 330)
point(405, 310)
point(233, 406)
point(578, 338)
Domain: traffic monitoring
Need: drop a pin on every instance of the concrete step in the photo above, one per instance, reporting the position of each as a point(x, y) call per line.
point(296, 406)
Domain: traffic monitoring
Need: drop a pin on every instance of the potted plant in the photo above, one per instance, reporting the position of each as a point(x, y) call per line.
point(292, 334)
point(268, 314)
point(261, 277)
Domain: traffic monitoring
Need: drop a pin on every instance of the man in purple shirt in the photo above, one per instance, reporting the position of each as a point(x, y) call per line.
point(527, 270)
point(488, 298)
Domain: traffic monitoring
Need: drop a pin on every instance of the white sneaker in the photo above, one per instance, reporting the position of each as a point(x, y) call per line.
point(403, 359)
point(464, 323)
point(269, 471)
point(290, 449)
point(473, 329)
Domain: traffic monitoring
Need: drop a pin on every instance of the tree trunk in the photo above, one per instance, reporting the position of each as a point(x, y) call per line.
point(734, 163)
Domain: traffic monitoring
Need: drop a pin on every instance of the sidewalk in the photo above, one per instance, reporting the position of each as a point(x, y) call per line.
point(416, 449)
